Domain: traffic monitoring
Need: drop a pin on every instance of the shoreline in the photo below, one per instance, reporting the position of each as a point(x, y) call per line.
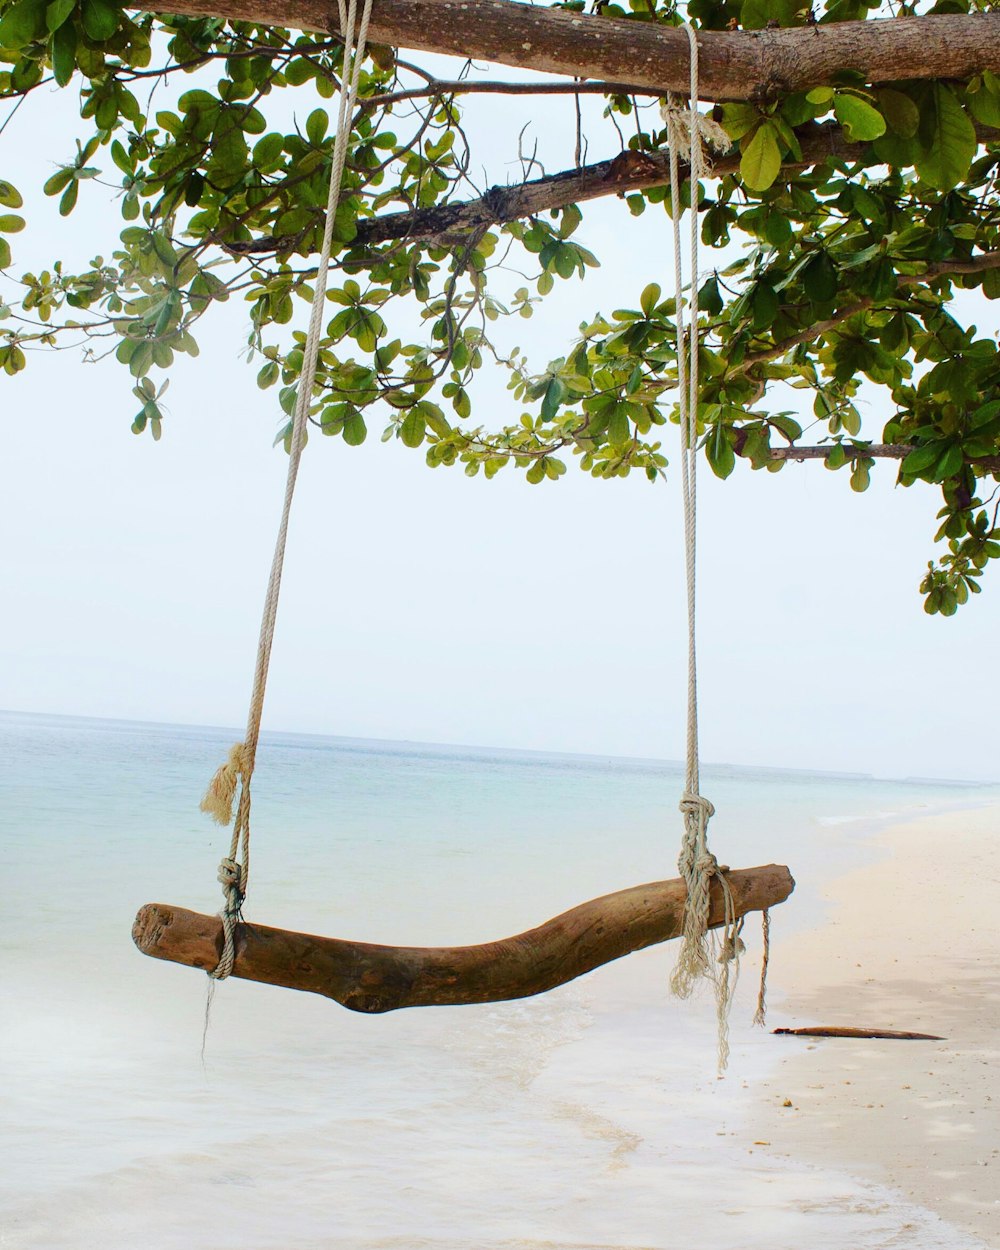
point(908, 942)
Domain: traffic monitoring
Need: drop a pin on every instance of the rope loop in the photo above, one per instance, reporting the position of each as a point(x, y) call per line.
point(697, 805)
point(230, 874)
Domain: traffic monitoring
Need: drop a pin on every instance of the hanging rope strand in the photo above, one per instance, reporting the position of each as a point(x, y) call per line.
point(234, 870)
point(697, 865)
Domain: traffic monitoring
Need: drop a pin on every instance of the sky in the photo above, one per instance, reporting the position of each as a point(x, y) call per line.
point(419, 604)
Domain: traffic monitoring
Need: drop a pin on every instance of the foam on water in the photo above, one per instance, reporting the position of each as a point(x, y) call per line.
point(588, 1118)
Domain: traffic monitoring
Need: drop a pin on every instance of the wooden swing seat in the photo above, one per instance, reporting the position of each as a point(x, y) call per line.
point(372, 979)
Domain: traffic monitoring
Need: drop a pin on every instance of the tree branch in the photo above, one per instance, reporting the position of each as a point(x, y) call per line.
point(370, 978)
point(629, 171)
point(471, 86)
point(734, 65)
point(876, 451)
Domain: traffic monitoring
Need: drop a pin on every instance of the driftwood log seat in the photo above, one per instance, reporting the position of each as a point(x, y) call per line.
point(370, 978)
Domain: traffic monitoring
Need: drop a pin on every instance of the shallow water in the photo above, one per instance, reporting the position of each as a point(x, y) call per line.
point(590, 1117)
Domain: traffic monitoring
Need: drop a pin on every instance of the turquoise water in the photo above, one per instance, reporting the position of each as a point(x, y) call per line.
point(590, 1117)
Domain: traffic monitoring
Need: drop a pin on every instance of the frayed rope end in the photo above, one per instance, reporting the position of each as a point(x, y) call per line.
point(218, 800)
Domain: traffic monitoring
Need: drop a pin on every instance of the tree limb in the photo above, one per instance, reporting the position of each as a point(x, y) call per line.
point(629, 171)
point(472, 86)
point(370, 978)
point(734, 65)
point(876, 451)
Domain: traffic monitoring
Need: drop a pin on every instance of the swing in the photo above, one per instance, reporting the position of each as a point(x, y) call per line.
point(371, 978)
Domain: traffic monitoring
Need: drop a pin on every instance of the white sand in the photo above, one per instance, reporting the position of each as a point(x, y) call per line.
point(911, 942)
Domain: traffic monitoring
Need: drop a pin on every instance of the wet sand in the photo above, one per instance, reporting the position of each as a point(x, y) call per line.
point(911, 942)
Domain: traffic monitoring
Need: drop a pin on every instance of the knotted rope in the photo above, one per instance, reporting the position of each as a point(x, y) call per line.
point(697, 865)
point(234, 870)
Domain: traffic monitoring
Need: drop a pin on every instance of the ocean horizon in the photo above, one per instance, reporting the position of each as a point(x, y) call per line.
point(490, 749)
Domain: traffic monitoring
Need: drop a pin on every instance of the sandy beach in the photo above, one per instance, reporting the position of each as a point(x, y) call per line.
point(909, 943)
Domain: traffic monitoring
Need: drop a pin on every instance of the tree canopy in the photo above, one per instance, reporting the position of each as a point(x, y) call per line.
point(861, 188)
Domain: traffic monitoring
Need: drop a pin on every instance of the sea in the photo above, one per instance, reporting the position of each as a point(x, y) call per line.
point(589, 1118)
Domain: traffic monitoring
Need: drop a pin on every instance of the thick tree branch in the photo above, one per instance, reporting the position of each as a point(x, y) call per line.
point(876, 451)
point(735, 65)
point(629, 171)
point(370, 978)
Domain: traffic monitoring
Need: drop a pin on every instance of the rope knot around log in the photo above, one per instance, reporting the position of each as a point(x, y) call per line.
point(230, 874)
point(706, 864)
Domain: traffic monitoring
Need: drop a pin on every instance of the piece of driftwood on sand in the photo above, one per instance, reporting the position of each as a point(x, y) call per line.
point(371, 978)
point(888, 1034)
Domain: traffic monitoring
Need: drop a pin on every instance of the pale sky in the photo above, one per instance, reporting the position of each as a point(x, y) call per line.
point(423, 605)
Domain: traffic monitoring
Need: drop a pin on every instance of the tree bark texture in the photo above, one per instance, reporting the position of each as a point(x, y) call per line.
point(735, 65)
point(372, 979)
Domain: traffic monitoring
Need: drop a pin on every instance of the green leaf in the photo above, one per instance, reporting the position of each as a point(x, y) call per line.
point(984, 105)
point(59, 181)
point(413, 429)
point(991, 283)
point(984, 414)
point(434, 417)
point(819, 279)
point(64, 53)
point(650, 298)
point(720, 452)
point(194, 186)
point(899, 111)
point(949, 464)
point(860, 119)
point(921, 459)
point(10, 197)
point(897, 152)
point(571, 218)
point(57, 12)
point(100, 19)
point(764, 305)
point(316, 124)
point(947, 139)
point(5, 256)
point(23, 21)
point(10, 223)
point(550, 403)
point(710, 298)
point(267, 152)
point(619, 426)
point(355, 430)
point(68, 201)
point(761, 160)
point(739, 119)
point(860, 475)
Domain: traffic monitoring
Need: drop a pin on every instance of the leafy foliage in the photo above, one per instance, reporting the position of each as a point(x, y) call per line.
point(846, 280)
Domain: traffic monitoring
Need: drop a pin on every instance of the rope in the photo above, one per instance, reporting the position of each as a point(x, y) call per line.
point(697, 864)
point(760, 1015)
point(234, 870)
